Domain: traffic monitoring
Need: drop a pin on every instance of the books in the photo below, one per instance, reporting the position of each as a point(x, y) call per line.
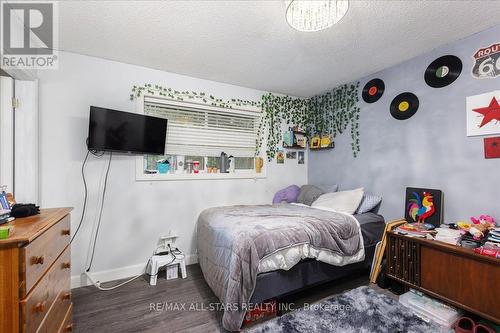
point(4, 203)
point(288, 139)
point(294, 138)
point(493, 236)
point(4, 206)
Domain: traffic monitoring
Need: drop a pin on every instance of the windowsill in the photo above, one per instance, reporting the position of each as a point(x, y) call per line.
point(200, 176)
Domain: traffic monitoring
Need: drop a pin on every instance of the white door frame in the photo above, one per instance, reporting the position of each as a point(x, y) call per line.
point(26, 178)
point(6, 133)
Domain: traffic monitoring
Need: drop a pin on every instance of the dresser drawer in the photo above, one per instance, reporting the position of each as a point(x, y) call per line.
point(67, 325)
point(57, 313)
point(53, 291)
point(38, 256)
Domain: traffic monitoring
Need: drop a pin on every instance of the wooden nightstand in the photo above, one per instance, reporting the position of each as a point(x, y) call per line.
point(451, 273)
point(35, 262)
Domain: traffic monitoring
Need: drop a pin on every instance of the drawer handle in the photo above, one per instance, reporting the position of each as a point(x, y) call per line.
point(37, 260)
point(65, 232)
point(68, 328)
point(66, 296)
point(66, 265)
point(40, 307)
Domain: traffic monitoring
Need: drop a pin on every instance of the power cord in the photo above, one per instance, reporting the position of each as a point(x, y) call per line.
point(97, 284)
point(175, 252)
point(95, 153)
point(85, 197)
point(100, 213)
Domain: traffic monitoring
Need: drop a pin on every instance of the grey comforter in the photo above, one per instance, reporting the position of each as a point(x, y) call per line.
point(232, 241)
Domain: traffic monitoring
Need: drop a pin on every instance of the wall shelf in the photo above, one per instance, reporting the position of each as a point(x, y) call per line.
point(321, 148)
point(331, 146)
point(293, 147)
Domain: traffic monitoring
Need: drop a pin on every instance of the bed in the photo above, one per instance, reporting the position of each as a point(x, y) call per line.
point(249, 254)
point(310, 272)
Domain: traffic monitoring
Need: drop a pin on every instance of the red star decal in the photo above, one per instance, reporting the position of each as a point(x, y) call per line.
point(491, 112)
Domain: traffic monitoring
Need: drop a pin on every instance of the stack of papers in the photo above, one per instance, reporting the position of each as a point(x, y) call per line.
point(447, 235)
point(494, 236)
point(4, 215)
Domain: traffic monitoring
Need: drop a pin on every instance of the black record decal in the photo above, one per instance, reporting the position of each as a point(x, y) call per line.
point(373, 90)
point(404, 106)
point(443, 71)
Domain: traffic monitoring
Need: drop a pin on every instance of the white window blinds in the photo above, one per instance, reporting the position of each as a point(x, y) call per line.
point(204, 130)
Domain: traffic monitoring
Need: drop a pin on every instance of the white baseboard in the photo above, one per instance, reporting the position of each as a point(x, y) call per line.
point(119, 273)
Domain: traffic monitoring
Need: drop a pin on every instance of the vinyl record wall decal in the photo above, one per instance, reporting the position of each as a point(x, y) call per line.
point(443, 71)
point(373, 90)
point(404, 106)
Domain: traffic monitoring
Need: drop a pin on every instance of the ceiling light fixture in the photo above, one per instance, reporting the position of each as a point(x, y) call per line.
point(315, 15)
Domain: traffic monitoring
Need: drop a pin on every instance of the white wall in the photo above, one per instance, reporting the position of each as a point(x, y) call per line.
point(135, 213)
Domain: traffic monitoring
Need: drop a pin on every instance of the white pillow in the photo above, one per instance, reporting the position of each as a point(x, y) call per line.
point(343, 201)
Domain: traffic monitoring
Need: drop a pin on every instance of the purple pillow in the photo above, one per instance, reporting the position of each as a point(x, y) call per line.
point(288, 194)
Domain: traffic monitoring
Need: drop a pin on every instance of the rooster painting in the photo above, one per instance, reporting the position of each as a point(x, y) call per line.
point(421, 208)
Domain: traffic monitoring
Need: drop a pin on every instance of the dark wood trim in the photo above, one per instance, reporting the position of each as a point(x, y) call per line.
point(9, 294)
point(445, 247)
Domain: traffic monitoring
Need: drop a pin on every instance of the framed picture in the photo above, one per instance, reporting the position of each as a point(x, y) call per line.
point(326, 141)
point(492, 147)
point(280, 157)
point(291, 155)
point(483, 114)
point(300, 140)
point(301, 158)
point(316, 142)
point(424, 206)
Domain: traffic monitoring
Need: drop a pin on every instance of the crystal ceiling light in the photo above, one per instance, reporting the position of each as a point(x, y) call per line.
point(315, 15)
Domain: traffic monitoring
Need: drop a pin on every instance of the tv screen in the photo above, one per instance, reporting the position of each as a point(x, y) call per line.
point(119, 131)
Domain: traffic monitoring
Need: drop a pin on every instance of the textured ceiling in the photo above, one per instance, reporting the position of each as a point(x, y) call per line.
point(249, 43)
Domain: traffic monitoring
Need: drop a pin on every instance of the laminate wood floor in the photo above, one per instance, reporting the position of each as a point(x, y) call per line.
point(134, 307)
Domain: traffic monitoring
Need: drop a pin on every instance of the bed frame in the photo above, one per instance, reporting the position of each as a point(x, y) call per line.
point(306, 274)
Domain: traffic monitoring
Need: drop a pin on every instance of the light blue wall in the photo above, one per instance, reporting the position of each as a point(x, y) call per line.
point(430, 149)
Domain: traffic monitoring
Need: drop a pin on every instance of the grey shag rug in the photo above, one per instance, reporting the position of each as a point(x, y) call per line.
point(361, 310)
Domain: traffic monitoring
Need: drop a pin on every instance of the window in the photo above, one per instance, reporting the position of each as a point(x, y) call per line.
point(197, 135)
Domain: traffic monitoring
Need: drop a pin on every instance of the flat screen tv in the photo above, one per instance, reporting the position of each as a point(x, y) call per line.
point(118, 131)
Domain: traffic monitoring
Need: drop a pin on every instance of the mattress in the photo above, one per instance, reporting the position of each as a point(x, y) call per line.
point(372, 227)
point(311, 272)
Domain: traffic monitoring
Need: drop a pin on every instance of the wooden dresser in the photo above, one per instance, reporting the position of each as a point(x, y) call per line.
point(451, 273)
point(35, 290)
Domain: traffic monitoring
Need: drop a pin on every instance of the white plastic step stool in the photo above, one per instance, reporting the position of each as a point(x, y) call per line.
point(167, 260)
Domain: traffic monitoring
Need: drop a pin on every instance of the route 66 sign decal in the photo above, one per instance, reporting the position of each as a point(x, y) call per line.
point(487, 62)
